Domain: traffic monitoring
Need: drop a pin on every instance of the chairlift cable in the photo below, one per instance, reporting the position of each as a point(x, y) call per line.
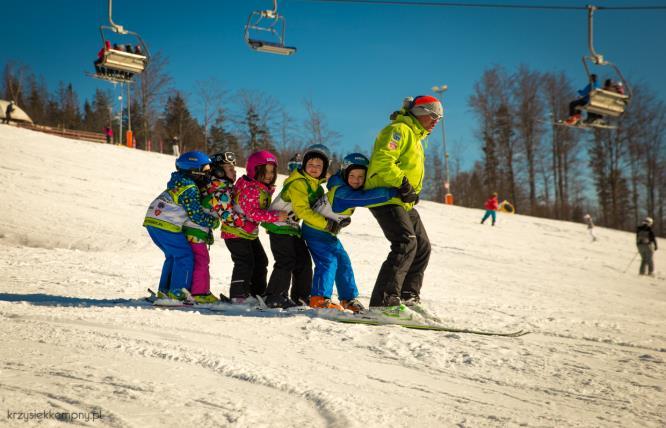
point(483, 5)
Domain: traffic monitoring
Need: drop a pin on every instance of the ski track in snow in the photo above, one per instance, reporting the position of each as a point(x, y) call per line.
point(73, 255)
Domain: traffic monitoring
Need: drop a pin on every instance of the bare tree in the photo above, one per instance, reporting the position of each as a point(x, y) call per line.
point(644, 124)
point(316, 128)
point(210, 95)
point(486, 100)
point(288, 143)
point(529, 109)
point(565, 146)
point(14, 77)
point(151, 89)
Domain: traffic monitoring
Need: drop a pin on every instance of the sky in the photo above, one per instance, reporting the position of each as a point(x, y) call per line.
point(356, 62)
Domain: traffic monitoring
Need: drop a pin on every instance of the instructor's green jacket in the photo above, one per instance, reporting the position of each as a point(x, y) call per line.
point(398, 153)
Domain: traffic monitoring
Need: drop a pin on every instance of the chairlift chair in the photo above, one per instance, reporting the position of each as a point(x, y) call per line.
point(272, 23)
point(121, 61)
point(603, 102)
point(124, 61)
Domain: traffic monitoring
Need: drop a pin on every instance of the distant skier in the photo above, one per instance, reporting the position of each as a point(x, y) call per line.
point(647, 245)
point(590, 226)
point(8, 112)
point(491, 205)
point(108, 133)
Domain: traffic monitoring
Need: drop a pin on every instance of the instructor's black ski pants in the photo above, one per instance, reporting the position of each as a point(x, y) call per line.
point(401, 275)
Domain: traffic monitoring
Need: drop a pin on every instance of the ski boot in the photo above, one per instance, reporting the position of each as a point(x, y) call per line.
point(320, 302)
point(353, 305)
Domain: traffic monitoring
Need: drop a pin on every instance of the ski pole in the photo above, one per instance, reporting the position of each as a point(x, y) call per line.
point(632, 260)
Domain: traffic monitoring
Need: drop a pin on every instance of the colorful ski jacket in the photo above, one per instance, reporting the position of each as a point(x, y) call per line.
point(491, 204)
point(176, 205)
point(341, 199)
point(216, 200)
point(398, 153)
point(251, 202)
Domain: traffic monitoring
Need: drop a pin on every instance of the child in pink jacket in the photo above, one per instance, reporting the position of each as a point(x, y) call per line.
point(252, 197)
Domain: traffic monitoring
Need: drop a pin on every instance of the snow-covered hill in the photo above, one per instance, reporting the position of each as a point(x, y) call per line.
point(71, 244)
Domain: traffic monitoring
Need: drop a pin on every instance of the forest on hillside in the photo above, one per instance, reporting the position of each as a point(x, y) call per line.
point(616, 175)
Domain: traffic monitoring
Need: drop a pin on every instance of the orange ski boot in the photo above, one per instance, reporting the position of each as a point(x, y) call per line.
point(320, 302)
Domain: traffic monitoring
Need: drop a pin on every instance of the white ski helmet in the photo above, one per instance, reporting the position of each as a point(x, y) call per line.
point(648, 221)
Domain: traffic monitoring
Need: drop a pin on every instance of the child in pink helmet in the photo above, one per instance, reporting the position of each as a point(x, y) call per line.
point(252, 198)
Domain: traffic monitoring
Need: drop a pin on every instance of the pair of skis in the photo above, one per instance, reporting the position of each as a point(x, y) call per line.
point(365, 318)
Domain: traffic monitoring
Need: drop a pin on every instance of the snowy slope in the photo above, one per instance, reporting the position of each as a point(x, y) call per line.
point(72, 247)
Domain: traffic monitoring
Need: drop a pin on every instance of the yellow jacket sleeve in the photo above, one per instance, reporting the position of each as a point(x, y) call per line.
point(300, 203)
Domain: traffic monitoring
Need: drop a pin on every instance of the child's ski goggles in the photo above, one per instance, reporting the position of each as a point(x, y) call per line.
point(224, 158)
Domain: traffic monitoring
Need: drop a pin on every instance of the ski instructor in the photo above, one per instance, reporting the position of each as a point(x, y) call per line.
point(398, 160)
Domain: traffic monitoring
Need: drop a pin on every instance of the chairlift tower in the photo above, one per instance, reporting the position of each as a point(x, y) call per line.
point(448, 197)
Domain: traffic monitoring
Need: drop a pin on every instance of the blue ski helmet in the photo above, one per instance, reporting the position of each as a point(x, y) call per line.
point(192, 161)
point(317, 151)
point(353, 161)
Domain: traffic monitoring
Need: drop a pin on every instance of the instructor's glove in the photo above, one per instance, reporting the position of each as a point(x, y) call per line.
point(332, 226)
point(406, 192)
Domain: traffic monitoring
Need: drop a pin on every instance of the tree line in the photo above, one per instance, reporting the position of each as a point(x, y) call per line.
point(616, 175)
point(543, 169)
point(161, 115)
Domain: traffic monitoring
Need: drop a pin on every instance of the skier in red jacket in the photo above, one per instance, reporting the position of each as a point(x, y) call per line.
point(491, 206)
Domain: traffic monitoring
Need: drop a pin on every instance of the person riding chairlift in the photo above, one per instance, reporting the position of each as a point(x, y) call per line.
point(100, 57)
point(574, 115)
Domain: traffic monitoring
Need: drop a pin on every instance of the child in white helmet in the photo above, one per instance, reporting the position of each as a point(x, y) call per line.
point(332, 263)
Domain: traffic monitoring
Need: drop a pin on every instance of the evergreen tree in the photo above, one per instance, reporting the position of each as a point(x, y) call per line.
point(178, 124)
point(37, 100)
point(221, 140)
point(259, 138)
point(70, 116)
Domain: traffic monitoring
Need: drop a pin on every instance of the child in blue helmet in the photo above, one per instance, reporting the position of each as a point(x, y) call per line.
point(332, 264)
point(167, 214)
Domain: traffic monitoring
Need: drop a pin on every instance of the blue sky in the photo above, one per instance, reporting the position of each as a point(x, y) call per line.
point(356, 62)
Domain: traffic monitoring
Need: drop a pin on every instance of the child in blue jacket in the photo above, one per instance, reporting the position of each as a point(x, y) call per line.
point(167, 214)
point(332, 263)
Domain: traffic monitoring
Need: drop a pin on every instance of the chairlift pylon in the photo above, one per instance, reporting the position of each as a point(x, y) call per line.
point(121, 65)
point(267, 22)
point(603, 102)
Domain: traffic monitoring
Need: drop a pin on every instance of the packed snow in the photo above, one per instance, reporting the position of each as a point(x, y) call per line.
point(75, 262)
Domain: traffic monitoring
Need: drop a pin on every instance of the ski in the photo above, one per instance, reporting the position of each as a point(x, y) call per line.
point(427, 327)
point(586, 125)
point(406, 319)
point(152, 296)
